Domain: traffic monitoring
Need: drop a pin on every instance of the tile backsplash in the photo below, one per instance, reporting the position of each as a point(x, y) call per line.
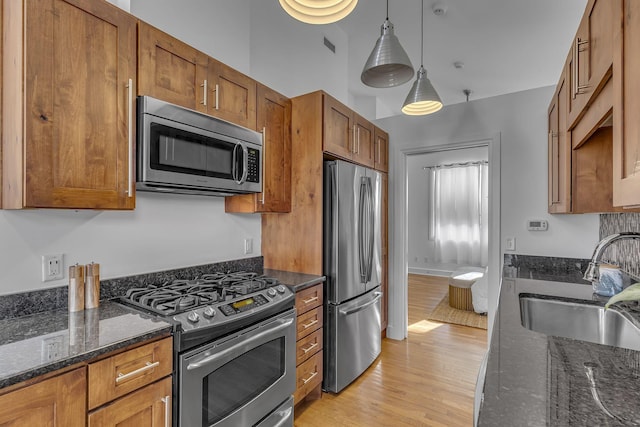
point(625, 253)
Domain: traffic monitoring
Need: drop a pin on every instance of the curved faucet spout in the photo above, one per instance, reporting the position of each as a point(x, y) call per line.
point(592, 274)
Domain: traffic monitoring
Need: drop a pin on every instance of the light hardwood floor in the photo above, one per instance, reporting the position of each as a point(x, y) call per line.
point(426, 380)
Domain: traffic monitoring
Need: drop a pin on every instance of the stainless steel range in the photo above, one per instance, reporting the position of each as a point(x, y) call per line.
point(234, 341)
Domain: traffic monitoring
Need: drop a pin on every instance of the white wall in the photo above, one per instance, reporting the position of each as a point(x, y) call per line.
point(520, 120)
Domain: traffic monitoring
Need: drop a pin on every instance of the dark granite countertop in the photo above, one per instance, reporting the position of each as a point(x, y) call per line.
point(295, 281)
point(37, 344)
point(533, 379)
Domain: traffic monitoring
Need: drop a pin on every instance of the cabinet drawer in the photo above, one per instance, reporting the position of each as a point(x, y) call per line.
point(308, 322)
point(151, 405)
point(125, 372)
point(308, 346)
point(309, 298)
point(308, 376)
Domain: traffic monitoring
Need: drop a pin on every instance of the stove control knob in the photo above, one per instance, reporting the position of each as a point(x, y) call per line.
point(280, 289)
point(209, 312)
point(193, 317)
point(271, 292)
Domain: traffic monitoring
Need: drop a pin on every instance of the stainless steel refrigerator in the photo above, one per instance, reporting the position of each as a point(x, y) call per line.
point(352, 248)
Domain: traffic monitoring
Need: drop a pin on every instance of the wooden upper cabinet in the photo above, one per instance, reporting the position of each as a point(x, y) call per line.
point(591, 56)
point(363, 152)
point(626, 126)
point(171, 70)
point(69, 105)
point(57, 402)
point(274, 120)
point(346, 134)
point(232, 95)
point(559, 150)
point(338, 128)
point(381, 150)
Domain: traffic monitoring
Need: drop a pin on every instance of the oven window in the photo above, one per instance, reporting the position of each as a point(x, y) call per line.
point(234, 384)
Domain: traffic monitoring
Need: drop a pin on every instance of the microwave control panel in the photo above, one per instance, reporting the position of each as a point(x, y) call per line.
point(254, 165)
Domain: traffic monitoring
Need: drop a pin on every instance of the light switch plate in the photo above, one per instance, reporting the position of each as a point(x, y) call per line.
point(510, 243)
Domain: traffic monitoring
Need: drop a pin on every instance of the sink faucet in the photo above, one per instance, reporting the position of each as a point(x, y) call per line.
point(593, 271)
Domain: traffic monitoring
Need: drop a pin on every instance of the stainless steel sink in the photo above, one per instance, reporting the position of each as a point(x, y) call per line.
point(580, 321)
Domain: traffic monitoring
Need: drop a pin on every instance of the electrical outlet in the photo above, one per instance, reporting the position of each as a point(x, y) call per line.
point(510, 243)
point(248, 246)
point(52, 267)
point(52, 348)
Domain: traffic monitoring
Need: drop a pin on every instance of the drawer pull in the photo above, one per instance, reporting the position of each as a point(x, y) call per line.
point(148, 366)
point(310, 300)
point(310, 324)
point(306, 380)
point(311, 347)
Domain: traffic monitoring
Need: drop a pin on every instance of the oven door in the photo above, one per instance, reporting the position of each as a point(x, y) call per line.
point(241, 379)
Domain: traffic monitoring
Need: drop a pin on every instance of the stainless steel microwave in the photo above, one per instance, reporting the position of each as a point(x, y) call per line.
point(183, 151)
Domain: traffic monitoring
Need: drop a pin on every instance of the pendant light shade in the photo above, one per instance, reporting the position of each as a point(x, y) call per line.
point(388, 65)
point(318, 11)
point(422, 98)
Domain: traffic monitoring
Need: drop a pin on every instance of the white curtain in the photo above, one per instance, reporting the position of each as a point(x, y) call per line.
point(459, 213)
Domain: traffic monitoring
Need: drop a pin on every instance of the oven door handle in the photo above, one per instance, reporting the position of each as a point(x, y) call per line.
point(285, 416)
point(283, 324)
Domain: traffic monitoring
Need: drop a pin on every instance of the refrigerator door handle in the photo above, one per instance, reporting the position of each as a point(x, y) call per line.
point(371, 229)
point(358, 308)
point(362, 257)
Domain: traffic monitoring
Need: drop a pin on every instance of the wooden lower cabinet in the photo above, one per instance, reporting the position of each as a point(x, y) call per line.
point(57, 402)
point(309, 343)
point(149, 406)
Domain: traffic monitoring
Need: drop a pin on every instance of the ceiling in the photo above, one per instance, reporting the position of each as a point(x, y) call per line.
point(505, 45)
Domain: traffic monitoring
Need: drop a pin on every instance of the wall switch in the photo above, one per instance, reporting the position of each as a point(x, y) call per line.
point(510, 243)
point(248, 246)
point(52, 267)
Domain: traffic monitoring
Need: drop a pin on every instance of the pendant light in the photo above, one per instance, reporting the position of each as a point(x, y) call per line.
point(388, 65)
point(318, 11)
point(422, 98)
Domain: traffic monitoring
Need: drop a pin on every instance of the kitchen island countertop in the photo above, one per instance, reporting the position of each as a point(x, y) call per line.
point(533, 379)
point(37, 344)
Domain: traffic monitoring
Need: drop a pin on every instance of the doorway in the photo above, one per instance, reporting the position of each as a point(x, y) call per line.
point(399, 241)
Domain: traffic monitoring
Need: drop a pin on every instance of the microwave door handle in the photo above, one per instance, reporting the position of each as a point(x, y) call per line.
point(245, 164)
point(234, 163)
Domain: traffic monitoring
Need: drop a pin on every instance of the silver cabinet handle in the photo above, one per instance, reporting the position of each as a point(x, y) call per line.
point(146, 367)
point(310, 324)
point(217, 97)
point(130, 129)
point(306, 380)
point(311, 347)
point(310, 300)
point(167, 410)
point(204, 92)
point(264, 156)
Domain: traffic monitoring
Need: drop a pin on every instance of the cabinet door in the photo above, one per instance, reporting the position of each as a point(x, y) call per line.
point(363, 143)
point(80, 68)
point(338, 128)
point(559, 152)
point(232, 95)
point(626, 126)
point(149, 406)
point(274, 120)
point(592, 55)
point(381, 150)
point(57, 402)
point(171, 70)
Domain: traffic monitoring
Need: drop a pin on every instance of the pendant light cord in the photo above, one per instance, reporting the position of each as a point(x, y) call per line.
point(422, 36)
point(387, 10)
